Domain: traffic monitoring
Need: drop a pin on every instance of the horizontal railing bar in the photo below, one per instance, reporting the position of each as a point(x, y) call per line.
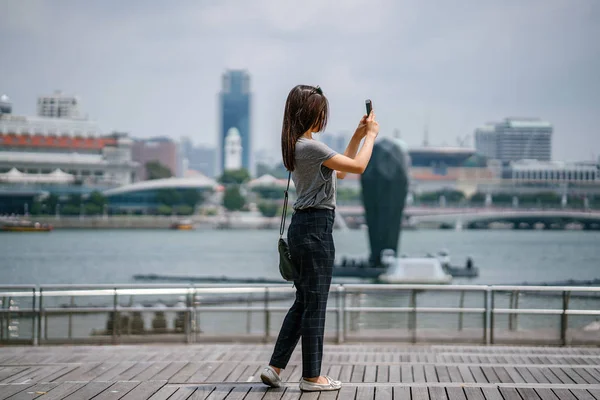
point(417, 309)
point(526, 311)
point(355, 286)
point(592, 289)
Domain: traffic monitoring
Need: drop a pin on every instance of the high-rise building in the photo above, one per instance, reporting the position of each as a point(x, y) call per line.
point(5, 105)
point(58, 105)
point(515, 139)
point(161, 149)
point(197, 158)
point(235, 98)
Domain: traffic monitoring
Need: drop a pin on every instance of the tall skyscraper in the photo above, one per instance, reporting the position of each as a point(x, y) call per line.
point(235, 98)
point(515, 139)
point(58, 105)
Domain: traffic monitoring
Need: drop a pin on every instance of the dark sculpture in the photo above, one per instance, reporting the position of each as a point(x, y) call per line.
point(384, 189)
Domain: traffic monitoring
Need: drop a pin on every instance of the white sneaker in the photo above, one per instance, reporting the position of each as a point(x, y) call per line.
point(309, 386)
point(270, 378)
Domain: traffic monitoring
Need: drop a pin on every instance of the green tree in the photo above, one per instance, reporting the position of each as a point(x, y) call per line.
point(269, 192)
point(235, 176)
point(74, 200)
point(93, 209)
point(156, 170)
point(96, 198)
point(233, 199)
point(168, 197)
point(184, 210)
point(191, 197)
point(164, 210)
point(268, 209)
point(50, 203)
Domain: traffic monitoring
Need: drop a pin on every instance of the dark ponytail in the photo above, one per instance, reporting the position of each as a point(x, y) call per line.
point(306, 107)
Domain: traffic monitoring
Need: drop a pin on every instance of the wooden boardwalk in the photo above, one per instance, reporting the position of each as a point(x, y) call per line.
point(230, 372)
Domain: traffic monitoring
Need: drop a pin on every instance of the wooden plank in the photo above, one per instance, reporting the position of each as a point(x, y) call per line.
point(221, 373)
point(10, 371)
point(202, 392)
point(63, 390)
point(307, 395)
point(8, 390)
point(381, 393)
point(443, 374)
point(528, 394)
point(184, 392)
point(560, 374)
point(418, 373)
point(418, 393)
point(128, 374)
point(595, 393)
point(466, 374)
point(237, 375)
point(119, 368)
point(256, 393)
point(164, 393)
point(394, 374)
point(220, 392)
point(453, 374)
point(333, 395)
point(23, 376)
point(509, 393)
point(370, 373)
point(237, 393)
point(490, 374)
point(582, 394)
point(35, 391)
point(546, 394)
point(169, 371)
point(144, 390)
point(478, 374)
point(564, 394)
point(117, 391)
point(90, 390)
point(274, 394)
point(383, 374)
point(473, 393)
point(455, 393)
point(345, 393)
point(365, 393)
point(586, 376)
point(358, 373)
point(400, 393)
point(407, 375)
point(430, 374)
point(538, 375)
point(492, 394)
point(526, 374)
point(437, 393)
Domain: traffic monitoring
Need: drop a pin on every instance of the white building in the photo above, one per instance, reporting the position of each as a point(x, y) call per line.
point(233, 150)
point(515, 139)
point(58, 105)
point(37, 145)
point(532, 171)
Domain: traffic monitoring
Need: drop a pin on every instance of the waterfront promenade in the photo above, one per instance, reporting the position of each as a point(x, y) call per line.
point(231, 372)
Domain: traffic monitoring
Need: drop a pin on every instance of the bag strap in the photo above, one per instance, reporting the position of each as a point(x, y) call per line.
point(285, 204)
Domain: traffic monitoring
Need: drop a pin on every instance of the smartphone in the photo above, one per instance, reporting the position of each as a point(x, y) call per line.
point(369, 106)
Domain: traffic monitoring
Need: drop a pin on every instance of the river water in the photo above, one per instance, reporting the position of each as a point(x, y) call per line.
point(99, 256)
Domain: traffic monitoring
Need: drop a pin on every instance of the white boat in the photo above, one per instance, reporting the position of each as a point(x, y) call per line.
point(412, 270)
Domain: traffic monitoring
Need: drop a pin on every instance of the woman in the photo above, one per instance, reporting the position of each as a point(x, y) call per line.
point(310, 233)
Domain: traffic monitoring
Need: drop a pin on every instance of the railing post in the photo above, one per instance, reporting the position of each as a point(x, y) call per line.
point(188, 316)
point(491, 312)
point(70, 326)
point(486, 315)
point(413, 315)
point(340, 313)
point(116, 318)
point(267, 315)
point(40, 315)
point(461, 305)
point(564, 320)
point(34, 338)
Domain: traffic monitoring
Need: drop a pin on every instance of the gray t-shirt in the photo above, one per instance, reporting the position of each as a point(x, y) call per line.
point(315, 183)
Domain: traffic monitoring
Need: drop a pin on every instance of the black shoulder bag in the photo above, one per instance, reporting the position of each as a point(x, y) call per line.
point(287, 269)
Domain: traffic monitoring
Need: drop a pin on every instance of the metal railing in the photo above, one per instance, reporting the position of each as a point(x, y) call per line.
point(411, 313)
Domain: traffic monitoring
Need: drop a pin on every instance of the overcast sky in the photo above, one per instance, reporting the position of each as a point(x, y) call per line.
point(153, 67)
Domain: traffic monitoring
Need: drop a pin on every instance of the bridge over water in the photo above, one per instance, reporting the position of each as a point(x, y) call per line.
point(482, 217)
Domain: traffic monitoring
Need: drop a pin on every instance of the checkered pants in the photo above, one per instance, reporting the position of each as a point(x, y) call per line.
point(311, 246)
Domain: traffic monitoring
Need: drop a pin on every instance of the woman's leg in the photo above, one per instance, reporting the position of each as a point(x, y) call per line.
point(289, 333)
point(316, 294)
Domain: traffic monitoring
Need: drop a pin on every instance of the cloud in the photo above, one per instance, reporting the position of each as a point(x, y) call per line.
point(154, 68)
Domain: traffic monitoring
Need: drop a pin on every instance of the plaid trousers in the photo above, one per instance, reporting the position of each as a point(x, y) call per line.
point(311, 246)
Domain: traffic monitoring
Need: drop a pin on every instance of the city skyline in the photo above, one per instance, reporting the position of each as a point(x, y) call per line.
point(452, 68)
